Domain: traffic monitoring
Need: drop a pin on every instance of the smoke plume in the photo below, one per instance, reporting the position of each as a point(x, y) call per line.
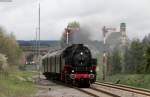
point(81, 36)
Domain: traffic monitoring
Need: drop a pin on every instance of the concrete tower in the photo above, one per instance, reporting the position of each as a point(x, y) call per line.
point(124, 44)
point(123, 32)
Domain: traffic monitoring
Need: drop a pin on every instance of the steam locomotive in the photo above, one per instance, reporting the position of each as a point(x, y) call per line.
point(73, 64)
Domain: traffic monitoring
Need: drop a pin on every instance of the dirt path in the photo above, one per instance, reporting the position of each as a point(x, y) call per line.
point(50, 89)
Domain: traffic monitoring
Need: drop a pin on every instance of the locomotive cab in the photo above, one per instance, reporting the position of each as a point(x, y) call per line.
point(83, 67)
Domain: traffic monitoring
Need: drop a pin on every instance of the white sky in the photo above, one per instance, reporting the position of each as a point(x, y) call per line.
point(20, 16)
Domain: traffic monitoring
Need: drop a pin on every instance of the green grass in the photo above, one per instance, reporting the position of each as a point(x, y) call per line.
point(136, 80)
point(24, 74)
point(12, 86)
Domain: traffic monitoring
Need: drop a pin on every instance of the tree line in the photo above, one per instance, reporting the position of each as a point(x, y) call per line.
point(135, 58)
point(10, 51)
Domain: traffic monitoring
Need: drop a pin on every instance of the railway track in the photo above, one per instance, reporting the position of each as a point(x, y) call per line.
point(103, 89)
point(92, 91)
point(136, 91)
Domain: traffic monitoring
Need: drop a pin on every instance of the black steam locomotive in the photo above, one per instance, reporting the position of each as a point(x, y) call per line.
point(74, 65)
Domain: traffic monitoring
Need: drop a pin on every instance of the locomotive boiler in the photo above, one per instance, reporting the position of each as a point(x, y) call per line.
point(73, 64)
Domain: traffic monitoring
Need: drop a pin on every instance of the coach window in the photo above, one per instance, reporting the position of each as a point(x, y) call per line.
point(47, 65)
point(59, 64)
point(52, 64)
point(44, 65)
point(55, 63)
point(43, 61)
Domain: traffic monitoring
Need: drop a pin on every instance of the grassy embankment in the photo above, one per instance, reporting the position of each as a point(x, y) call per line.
point(17, 84)
point(136, 80)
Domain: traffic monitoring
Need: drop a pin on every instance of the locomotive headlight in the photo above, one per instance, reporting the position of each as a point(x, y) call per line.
point(91, 71)
point(81, 53)
point(72, 71)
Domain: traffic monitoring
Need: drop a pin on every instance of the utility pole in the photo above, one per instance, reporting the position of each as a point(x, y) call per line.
point(35, 48)
point(105, 31)
point(39, 30)
point(39, 36)
point(36, 44)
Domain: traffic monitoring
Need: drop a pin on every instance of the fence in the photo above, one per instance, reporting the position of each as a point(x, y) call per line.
point(3, 75)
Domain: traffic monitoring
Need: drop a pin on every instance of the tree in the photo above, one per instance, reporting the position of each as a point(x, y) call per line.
point(146, 48)
point(74, 24)
point(9, 47)
point(127, 60)
point(147, 60)
point(135, 57)
point(116, 61)
point(3, 62)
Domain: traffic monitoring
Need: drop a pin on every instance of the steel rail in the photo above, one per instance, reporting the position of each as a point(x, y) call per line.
point(89, 93)
point(105, 92)
point(125, 88)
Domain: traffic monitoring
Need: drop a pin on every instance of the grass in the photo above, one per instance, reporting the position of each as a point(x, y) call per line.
point(16, 84)
point(136, 80)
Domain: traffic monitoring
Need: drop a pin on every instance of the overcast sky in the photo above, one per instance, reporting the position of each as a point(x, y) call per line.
point(20, 17)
